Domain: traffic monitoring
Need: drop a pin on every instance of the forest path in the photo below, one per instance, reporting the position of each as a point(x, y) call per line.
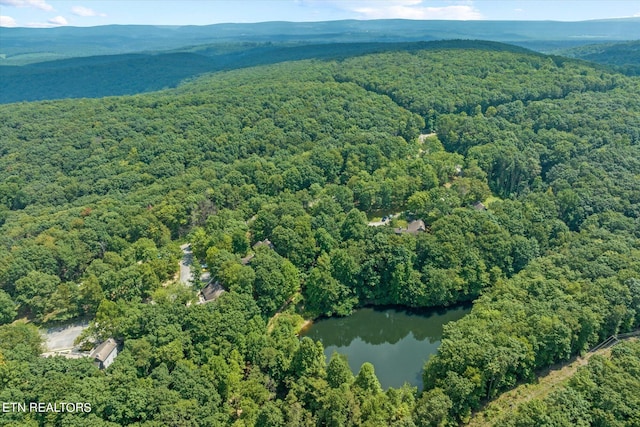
point(549, 380)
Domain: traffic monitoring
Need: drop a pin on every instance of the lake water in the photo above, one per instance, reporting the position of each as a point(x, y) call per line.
point(397, 342)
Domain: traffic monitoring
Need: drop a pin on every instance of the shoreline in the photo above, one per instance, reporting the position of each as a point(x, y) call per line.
point(304, 326)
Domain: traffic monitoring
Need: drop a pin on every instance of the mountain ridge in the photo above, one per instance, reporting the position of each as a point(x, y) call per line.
point(129, 38)
point(130, 73)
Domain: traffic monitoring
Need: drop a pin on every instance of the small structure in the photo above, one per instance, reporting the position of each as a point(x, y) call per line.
point(104, 354)
point(479, 206)
point(211, 292)
point(414, 227)
point(246, 260)
point(265, 242)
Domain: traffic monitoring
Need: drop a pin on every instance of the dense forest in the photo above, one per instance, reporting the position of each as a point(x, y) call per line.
point(602, 393)
point(129, 74)
point(524, 168)
point(92, 62)
point(624, 56)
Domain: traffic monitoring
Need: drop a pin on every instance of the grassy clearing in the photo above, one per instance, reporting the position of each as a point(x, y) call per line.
point(549, 380)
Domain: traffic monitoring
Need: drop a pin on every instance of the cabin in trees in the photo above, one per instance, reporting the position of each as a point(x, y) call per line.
point(214, 289)
point(211, 292)
point(479, 206)
point(104, 354)
point(263, 243)
point(414, 227)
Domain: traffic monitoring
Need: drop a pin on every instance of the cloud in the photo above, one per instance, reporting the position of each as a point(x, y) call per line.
point(85, 11)
point(58, 20)
point(38, 4)
point(53, 22)
point(403, 11)
point(399, 9)
point(7, 21)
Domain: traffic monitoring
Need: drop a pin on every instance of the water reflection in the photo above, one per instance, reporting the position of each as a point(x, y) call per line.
point(397, 342)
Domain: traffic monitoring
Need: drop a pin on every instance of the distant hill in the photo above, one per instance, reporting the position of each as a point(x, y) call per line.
point(109, 75)
point(625, 56)
point(98, 76)
point(24, 45)
point(76, 62)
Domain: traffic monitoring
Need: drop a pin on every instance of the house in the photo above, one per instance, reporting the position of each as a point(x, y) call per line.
point(211, 292)
point(104, 354)
point(265, 242)
point(479, 206)
point(414, 227)
point(246, 260)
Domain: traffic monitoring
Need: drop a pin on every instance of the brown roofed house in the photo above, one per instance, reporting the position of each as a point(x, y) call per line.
point(211, 292)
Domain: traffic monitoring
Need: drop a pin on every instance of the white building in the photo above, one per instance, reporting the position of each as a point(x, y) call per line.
point(105, 353)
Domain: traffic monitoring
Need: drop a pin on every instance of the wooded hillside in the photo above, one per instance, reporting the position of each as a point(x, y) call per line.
point(528, 189)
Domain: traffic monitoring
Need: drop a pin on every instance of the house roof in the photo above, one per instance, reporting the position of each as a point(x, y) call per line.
point(479, 206)
point(246, 260)
point(414, 227)
point(265, 242)
point(212, 291)
point(103, 351)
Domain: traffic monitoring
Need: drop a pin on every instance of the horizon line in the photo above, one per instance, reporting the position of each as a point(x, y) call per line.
point(633, 18)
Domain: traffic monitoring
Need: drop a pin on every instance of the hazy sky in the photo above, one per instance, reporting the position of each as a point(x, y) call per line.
point(48, 13)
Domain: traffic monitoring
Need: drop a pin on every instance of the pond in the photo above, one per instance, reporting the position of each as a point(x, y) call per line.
point(397, 342)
